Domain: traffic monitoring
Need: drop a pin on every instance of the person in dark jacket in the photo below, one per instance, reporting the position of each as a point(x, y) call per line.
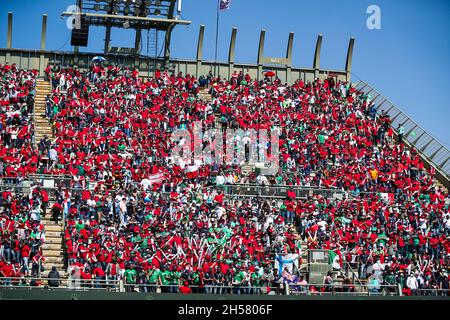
point(53, 278)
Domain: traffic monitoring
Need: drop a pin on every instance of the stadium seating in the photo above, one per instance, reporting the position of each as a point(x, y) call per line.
point(22, 234)
point(134, 213)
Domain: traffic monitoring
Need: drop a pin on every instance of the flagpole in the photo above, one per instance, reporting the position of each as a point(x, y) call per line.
point(217, 37)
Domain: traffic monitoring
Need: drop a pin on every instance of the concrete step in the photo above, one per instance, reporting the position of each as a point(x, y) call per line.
point(57, 241)
point(53, 234)
point(52, 253)
point(51, 246)
point(56, 228)
point(53, 260)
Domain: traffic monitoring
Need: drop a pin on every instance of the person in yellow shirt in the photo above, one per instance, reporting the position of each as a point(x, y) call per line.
point(374, 173)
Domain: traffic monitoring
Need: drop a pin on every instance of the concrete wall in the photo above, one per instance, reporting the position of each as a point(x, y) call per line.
point(39, 59)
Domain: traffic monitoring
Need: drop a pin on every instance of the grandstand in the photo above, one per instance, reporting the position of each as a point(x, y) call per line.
point(91, 184)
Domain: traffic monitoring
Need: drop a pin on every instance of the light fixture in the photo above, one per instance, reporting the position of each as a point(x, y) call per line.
point(157, 12)
point(157, 3)
point(97, 7)
point(136, 11)
point(126, 10)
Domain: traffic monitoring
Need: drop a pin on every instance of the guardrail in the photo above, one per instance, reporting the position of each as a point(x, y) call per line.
point(52, 182)
point(63, 283)
point(362, 290)
point(295, 289)
point(431, 149)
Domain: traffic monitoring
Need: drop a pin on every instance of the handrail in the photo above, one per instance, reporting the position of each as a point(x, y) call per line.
point(119, 285)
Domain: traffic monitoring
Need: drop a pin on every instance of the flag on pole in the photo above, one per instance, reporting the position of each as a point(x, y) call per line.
point(225, 4)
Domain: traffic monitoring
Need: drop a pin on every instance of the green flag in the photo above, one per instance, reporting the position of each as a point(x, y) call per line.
point(331, 255)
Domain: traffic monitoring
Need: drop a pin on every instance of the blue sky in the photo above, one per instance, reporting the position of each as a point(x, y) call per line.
point(407, 60)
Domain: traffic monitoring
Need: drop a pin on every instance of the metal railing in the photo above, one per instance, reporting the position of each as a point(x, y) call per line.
point(342, 289)
point(277, 191)
point(205, 289)
point(237, 190)
point(431, 149)
point(62, 283)
point(119, 285)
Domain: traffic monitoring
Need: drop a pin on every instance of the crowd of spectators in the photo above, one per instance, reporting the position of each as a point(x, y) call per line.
point(21, 232)
point(134, 212)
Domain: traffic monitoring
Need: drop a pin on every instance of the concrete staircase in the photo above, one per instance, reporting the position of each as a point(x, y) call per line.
point(205, 95)
point(41, 125)
point(52, 249)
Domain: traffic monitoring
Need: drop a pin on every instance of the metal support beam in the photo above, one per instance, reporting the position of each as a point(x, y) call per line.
point(9, 34)
point(348, 63)
point(231, 51)
point(409, 132)
point(137, 40)
point(167, 44)
point(417, 140)
point(137, 47)
point(107, 38)
point(396, 116)
point(113, 16)
point(289, 57)
point(381, 104)
point(199, 58)
point(262, 36)
point(316, 64)
point(426, 146)
point(436, 152)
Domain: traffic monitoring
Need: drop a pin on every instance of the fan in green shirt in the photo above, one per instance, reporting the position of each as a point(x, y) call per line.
point(80, 170)
point(382, 238)
point(321, 138)
point(195, 278)
point(153, 276)
point(79, 226)
point(136, 239)
point(130, 275)
point(165, 277)
point(256, 279)
point(239, 277)
point(175, 277)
